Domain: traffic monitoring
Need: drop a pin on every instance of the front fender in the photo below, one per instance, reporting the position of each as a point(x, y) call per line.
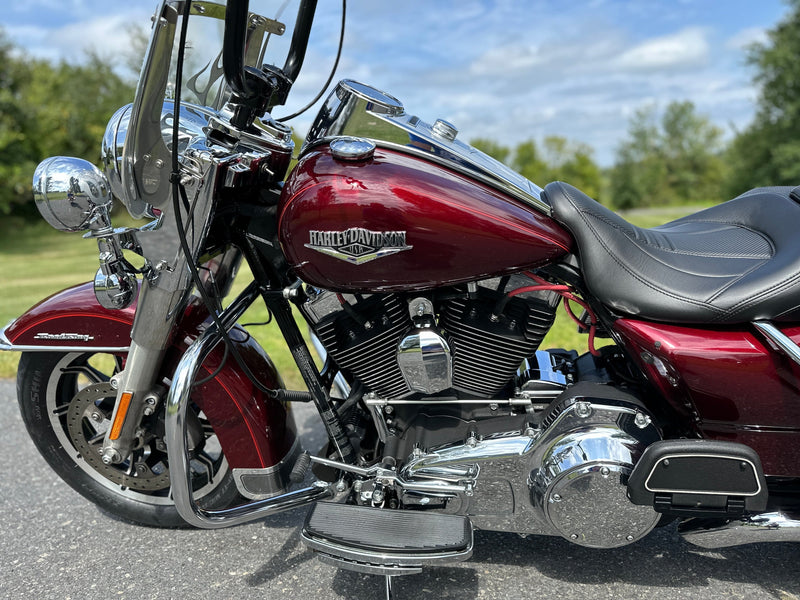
point(255, 431)
point(71, 320)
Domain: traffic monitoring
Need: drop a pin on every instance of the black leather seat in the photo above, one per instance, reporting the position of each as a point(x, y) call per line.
point(732, 263)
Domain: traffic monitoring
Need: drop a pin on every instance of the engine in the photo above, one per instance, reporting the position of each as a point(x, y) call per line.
point(474, 419)
point(467, 343)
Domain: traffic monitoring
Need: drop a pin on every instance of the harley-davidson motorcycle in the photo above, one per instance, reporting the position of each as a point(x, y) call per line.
point(428, 275)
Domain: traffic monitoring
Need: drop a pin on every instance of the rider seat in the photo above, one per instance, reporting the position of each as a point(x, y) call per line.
point(732, 263)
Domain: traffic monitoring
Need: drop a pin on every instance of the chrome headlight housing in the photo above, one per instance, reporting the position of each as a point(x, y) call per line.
point(111, 150)
point(72, 194)
point(193, 120)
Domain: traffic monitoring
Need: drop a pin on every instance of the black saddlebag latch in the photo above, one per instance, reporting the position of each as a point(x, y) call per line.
point(383, 541)
point(694, 478)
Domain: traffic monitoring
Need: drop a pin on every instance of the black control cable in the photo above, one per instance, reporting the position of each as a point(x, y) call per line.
point(330, 77)
point(178, 195)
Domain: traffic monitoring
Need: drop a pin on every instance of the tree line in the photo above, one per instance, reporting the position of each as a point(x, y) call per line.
point(678, 157)
point(50, 109)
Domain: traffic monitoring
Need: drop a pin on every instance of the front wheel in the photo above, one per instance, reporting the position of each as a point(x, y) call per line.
point(66, 402)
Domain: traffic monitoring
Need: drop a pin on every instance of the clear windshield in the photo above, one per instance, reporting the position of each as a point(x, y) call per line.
point(203, 82)
point(138, 173)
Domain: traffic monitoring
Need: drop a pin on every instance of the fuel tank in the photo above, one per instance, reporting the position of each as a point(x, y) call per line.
point(397, 222)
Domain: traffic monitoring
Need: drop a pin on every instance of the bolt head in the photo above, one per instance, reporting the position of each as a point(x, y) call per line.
point(583, 409)
point(574, 536)
point(605, 471)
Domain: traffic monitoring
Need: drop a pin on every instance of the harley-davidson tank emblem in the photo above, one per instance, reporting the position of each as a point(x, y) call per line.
point(357, 245)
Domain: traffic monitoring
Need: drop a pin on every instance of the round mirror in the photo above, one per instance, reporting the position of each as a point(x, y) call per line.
point(72, 194)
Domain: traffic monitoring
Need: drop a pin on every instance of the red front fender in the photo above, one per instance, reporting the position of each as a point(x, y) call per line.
point(253, 429)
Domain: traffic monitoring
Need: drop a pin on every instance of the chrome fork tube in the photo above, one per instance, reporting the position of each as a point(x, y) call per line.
point(156, 314)
point(177, 451)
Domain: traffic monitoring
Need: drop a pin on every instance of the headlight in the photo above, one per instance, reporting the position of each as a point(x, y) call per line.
point(111, 150)
point(193, 120)
point(72, 194)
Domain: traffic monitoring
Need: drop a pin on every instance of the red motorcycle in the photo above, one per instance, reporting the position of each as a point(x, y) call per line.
point(428, 274)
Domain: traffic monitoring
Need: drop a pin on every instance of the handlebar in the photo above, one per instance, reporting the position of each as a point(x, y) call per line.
point(254, 87)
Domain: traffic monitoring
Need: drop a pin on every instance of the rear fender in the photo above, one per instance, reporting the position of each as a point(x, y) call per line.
point(255, 431)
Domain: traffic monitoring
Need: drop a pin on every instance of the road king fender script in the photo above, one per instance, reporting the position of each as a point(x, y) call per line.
point(357, 245)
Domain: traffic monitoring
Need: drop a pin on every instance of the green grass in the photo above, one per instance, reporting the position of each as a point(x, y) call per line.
point(36, 261)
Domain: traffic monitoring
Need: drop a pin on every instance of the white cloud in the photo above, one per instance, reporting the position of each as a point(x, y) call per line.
point(685, 48)
point(106, 35)
point(504, 69)
point(746, 37)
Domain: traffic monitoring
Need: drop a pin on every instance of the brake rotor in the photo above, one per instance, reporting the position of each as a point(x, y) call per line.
point(86, 421)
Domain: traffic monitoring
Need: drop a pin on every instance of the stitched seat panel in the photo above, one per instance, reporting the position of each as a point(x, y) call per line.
point(731, 263)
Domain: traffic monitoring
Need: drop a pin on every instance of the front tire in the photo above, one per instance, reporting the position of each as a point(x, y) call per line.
point(66, 403)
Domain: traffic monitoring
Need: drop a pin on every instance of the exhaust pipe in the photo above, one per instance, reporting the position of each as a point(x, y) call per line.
point(766, 527)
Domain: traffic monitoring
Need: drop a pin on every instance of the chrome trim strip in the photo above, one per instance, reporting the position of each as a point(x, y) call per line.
point(381, 402)
point(766, 527)
point(495, 183)
point(383, 558)
point(178, 401)
point(273, 476)
point(354, 109)
point(498, 183)
point(109, 350)
point(776, 336)
point(8, 346)
point(711, 493)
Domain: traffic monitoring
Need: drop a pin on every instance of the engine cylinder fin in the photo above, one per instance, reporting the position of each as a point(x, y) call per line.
point(488, 349)
point(369, 349)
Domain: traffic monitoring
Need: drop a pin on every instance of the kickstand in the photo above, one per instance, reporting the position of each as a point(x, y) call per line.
point(389, 587)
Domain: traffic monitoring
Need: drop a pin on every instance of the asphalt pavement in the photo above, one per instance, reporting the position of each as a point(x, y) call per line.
point(55, 544)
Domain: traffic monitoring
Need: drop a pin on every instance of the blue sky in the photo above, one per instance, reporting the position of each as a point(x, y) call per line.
point(509, 70)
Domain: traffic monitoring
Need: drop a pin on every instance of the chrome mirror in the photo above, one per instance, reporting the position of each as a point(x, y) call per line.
point(72, 194)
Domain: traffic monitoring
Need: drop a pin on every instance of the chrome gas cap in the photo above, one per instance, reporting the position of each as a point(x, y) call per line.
point(352, 149)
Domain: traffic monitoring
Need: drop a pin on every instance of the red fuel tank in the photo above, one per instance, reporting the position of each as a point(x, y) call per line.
point(396, 222)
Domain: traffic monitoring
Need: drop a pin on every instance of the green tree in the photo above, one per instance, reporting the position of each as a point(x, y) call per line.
point(529, 163)
point(674, 161)
point(572, 162)
point(768, 151)
point(559, 159)
point(48, 110)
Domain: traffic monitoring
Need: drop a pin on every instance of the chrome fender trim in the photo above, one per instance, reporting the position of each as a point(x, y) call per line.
point(6, 345)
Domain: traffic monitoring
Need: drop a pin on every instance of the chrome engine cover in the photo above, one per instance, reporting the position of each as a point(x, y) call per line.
point(580, 484)
point(566, 476)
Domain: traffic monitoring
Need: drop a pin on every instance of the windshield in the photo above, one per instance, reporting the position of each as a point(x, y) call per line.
point(138, 147)
point(203, 81)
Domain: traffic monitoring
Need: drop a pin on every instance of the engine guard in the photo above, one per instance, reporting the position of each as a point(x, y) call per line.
point(257, 436)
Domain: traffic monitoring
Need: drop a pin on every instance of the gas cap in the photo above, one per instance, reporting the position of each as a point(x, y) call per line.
point(445, 130)
point(352, 149)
